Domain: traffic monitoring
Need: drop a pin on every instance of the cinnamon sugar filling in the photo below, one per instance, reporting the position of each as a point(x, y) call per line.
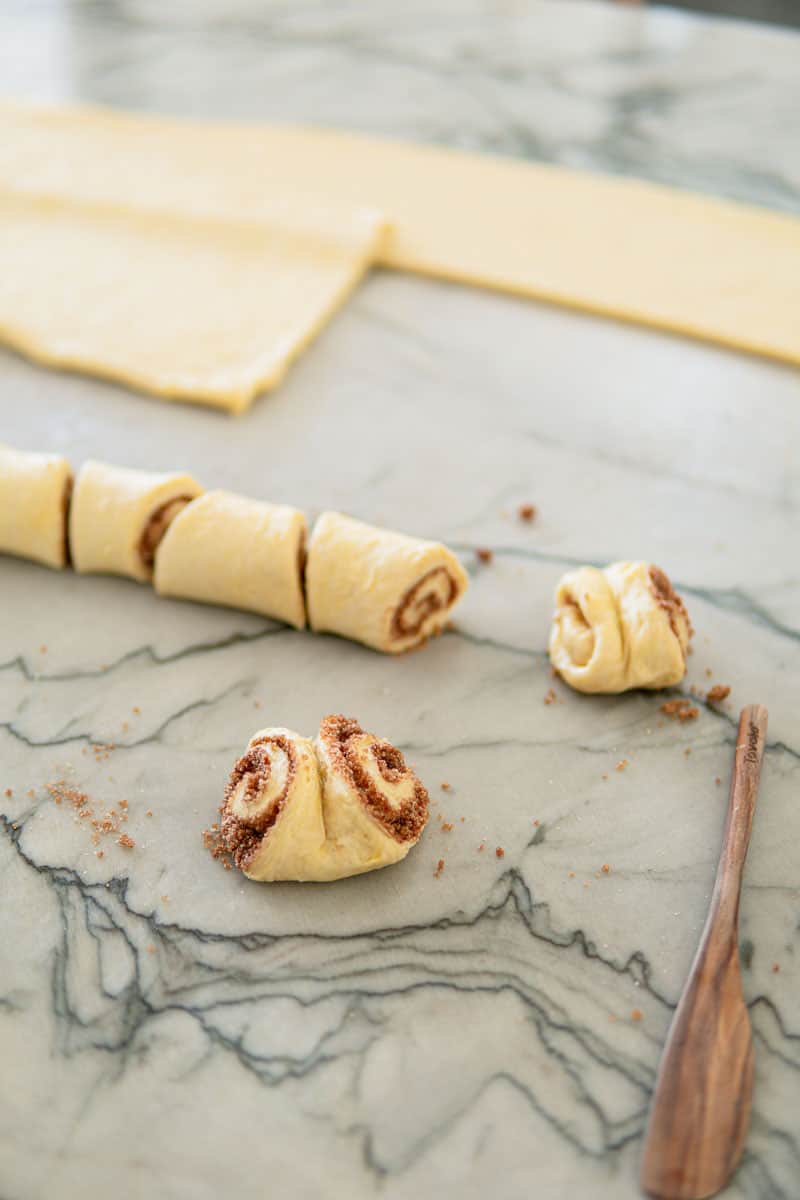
point(418, 604)
point(66, 501)
point(243, 836)
point(671, 602)
point(405, 822)
point(157, 525)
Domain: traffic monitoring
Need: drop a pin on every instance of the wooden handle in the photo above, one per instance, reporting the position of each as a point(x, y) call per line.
point(701, 1104)
point(750, 742)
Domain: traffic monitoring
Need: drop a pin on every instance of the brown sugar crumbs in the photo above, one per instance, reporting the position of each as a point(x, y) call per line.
point(526, 512)
point(718, 693)
point(605, 868)
point(500, 852)
point(621, 765)
point(126, 840)
point(551, 696)
point(680, 710)
point(636, 1014)
point(439, 868)
point(447, 826)
point(212, 840)
point(445, 787)
point(484, 554)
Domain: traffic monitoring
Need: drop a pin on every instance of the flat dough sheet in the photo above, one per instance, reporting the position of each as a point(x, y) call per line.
point(724, 272)
point(189, 308)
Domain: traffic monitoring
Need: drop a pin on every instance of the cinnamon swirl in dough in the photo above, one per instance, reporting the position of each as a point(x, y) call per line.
point(34, 499)
point(378, 587)
point(297, 810)
point(226, 549)
point(119, 516)
point(619, 628)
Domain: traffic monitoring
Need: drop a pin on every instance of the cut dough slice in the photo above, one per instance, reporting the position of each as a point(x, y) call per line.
point(297, 810)
point(378, 587)
point(35, 492)
point(226, 549)
point(621, 247)
point(118, 517)
point(195, 309)
point(620, 628)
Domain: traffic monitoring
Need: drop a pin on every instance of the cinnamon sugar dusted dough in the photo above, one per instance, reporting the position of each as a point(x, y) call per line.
point(227, 549)
point(118, 517)
point(619, 628)
point(343, 805)
point(384, 589)
point(35, 491)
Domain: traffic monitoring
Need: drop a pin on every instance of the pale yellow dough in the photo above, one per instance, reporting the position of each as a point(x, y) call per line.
point(227, 549)
point(110, 512)
point(703, 267)
point(34, 496)
point(187, 307)
point(308, 821)
point(619, 628)
point(382, 588)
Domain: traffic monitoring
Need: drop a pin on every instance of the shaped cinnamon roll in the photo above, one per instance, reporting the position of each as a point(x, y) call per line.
point(378, 587)
point(118, 517)
point(35, 492)
point(341, 806)
point(226, 549)
point(619, 628)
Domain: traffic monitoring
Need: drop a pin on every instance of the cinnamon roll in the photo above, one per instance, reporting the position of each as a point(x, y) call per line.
point(297, 810)
point(226, 549)
point(384, 589)
point(119, 516)
point(619, 628)
point(35, 492)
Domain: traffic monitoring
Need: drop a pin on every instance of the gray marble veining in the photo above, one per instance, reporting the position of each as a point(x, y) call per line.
point(169, 1029)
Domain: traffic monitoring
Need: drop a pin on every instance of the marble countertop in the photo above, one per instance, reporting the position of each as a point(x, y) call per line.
point(169, 1029)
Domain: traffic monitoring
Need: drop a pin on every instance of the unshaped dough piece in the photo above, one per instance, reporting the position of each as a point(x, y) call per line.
point(619, 628)
point(191, 308)
point(297, 810)
point(382, 588)
point(118, 517)
point(35, 492)
point(626, 248)
point(226, 549)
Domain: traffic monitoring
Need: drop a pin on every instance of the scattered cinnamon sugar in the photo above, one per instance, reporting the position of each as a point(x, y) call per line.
point(150, 948)
point(484, 554)
point(256, 704)
point(500, 852)
point(439, 868)
point(526, 512)
point(482, 847)
point(605, 868)
point(680, 709)
point(149, 812)
point(636, 1014)
point(30, 792)
point(572, 874)
point(9, 792)
point(621, 765)
point(43, 649)
point(212, 840)
point(718, 693)
point(536, 820)
point(551, 696)
point(165, 899)
point(445, 787)
point(718, 781)
point(447, 826)
point(708, 672)
point(776, 968)
point(125, 727)
point(99, 853)
point(687, 752)
point(604, 777)
point(126, 840)
point(462, 819)
point(137, 710)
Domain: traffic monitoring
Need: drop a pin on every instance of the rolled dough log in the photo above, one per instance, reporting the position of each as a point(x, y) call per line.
point(35, 493)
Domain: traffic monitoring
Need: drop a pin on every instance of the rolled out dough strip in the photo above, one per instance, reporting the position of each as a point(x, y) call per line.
point(118, 517)
point(190, 308)
point(34, 501)
point(712, 269)
point(382, 588)
point(226, 549)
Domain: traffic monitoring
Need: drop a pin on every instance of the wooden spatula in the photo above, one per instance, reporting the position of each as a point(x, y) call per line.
point(701, 1105)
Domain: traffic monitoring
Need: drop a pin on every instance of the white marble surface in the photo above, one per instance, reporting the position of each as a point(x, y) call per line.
point(400, 1035)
